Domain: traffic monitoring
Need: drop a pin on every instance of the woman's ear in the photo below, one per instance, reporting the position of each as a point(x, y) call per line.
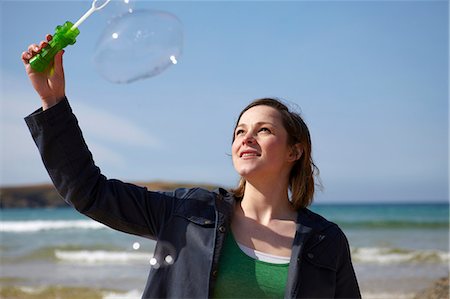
point(296, 152)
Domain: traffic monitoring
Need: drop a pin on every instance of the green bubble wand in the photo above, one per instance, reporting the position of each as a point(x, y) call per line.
point(64, 35)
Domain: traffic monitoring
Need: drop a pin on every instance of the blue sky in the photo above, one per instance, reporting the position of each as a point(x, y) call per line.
point(369, 77)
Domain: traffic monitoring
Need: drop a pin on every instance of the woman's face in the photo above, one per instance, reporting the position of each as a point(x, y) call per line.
point(260, 148)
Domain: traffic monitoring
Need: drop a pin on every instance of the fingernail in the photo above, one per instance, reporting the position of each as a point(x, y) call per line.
point(36, 48)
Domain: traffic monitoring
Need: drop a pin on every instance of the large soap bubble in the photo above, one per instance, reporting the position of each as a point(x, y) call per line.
point(117, 8)
point(138, 45)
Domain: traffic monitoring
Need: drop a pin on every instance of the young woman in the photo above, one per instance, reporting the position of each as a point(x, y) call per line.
point(257, 241)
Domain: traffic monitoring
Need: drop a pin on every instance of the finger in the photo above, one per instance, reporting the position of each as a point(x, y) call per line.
point(33, 49)
point(43, 44)
point(26, 57)
point(58, 63)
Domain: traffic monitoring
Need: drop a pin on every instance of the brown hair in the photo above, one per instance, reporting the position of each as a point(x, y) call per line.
point(301, 177)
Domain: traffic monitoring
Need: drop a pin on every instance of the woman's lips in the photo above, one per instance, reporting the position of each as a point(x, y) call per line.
point(247, 154)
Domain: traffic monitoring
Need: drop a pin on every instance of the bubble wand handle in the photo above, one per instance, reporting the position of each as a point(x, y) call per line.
point(64, 35)
point(93, 8)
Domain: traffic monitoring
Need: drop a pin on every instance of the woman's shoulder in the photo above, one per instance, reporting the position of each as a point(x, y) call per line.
point(200, 193)
point(318, 223)
point(199, 196)
point(201, 203)
point(323, 231)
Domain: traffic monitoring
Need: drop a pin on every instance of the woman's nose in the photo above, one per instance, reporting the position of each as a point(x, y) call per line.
point(248, 139)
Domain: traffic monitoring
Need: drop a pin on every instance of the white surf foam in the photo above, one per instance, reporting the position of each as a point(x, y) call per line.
point(41, 225)
point(379, 255)
point(133, 294)
point(101, 256)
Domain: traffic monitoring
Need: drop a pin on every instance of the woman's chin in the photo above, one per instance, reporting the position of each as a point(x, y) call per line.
point(249, 174)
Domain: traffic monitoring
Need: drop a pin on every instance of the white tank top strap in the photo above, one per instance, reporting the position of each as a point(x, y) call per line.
point(264, 257)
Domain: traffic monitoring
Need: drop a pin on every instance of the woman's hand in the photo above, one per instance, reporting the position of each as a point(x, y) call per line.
point(50, 84)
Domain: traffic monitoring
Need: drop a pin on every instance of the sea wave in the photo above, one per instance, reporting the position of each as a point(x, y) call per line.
point(26, 226)
point(42, 225)
point(361, 255)
point(102, 256)
point(380, 255)
point(393, 224)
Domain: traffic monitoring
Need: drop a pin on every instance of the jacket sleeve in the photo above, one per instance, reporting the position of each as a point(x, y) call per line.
point(66, 157)
point(346, 282)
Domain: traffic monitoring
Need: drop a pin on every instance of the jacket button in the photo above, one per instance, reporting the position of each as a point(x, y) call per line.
point(310, 255)
point(222, 229)
point(214, 273)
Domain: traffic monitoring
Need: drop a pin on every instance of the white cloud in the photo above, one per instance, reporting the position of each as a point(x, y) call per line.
point(104, 155)
point(19, 160)
point(109, 127)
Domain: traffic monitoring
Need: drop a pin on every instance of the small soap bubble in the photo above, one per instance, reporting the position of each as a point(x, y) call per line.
point(138, 45)
point(163, 256)
point(169, 259)
point(173, 59)
point(136, 245)
point(153, 261)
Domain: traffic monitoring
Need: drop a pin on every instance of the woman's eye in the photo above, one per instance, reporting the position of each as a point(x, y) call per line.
point(266, 130)
point(239, 132)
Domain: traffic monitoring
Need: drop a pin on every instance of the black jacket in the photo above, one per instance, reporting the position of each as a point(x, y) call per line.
point(190, 225)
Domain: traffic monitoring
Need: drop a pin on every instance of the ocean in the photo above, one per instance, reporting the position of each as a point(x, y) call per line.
point(397, 250)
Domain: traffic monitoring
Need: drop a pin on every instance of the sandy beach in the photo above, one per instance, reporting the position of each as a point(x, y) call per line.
point(439, 289)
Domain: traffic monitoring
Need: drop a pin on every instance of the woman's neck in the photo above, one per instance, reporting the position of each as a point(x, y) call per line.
point(265, 220)
point(266, 202)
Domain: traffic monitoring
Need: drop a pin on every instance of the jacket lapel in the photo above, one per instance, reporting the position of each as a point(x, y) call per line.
point(302, 234)
point(224, 203)
point(309, 225)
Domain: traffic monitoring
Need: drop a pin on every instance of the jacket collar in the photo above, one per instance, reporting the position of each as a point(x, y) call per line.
point(307, 221)
point(307, 218)
point(225, 203)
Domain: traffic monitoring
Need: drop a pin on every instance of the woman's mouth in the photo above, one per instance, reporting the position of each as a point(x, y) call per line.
point(248, 154)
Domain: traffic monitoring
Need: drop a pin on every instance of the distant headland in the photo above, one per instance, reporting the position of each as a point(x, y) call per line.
point(46, 196)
